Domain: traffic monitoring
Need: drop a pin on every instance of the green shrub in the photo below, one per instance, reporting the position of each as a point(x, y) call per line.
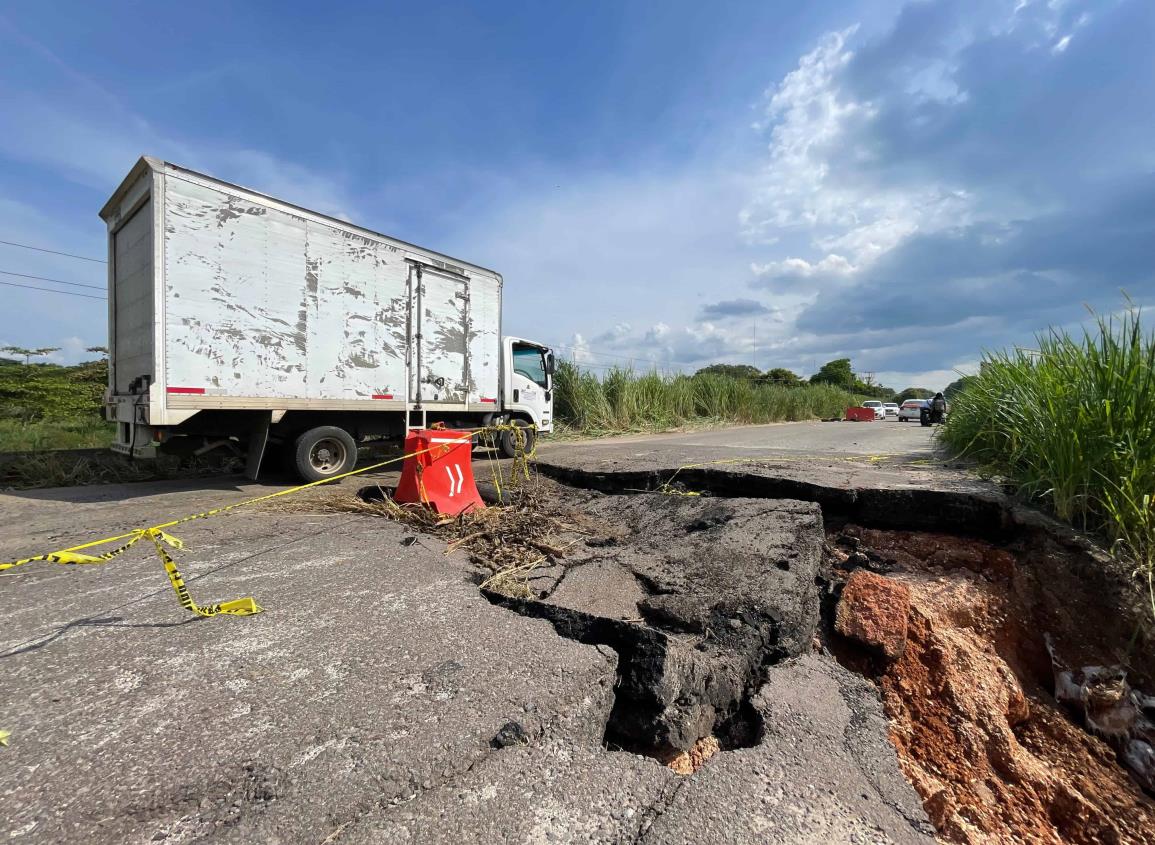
point(31, 392)
point(46, 406)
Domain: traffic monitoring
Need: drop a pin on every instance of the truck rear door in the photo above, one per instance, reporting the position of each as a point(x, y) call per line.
point(131, 344)
point(441, 362)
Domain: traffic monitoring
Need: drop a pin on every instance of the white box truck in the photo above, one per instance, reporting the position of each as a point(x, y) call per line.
point(241, 321)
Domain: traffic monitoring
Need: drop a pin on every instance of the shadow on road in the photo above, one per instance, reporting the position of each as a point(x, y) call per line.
point(138, 489)
point(89, 622)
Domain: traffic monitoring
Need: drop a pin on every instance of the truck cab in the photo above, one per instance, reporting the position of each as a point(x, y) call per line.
point(527, 382)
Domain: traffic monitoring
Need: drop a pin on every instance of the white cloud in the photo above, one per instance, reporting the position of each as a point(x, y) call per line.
point(615, 334)
point(807, 116)
point(657, 332)
point(812, 181)
point(612, 256)
point(578, 349)
point(800, 268)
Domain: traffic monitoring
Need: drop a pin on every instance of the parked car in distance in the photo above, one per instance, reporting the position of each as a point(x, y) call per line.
point(911, 409)
point(879, 410)
point(891, 409)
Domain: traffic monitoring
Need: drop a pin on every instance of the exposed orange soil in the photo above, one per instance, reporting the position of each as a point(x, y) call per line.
point(977, 730)
point(688, 762)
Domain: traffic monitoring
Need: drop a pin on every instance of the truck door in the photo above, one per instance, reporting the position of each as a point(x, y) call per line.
point(440, 374)
point(530, 383)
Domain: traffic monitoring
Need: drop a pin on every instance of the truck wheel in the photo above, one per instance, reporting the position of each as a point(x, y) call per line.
point(324, 452)
point(508, 442)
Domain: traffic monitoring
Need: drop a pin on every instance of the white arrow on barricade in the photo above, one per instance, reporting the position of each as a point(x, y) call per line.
point(455, 484)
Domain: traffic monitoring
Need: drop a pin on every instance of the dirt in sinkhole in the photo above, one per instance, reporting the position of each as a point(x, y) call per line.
point(967, 681)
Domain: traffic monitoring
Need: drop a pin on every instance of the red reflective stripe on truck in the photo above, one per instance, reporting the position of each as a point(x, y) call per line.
point(382, 395)
point(197, 390)
point(490, 401)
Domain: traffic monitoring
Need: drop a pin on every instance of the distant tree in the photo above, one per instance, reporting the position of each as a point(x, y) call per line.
point(836, 372)
point(914, 393)
point(957, 386)
point(103, 350)
point(19, 350)
point(732, 370)
point(876, 391)
point(781, 375)
point(28, 353)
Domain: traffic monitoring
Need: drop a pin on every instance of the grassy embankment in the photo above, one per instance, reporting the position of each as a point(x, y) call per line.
point(624, 400)
point(1073, 424)
point(45, 406)
point(46, 410)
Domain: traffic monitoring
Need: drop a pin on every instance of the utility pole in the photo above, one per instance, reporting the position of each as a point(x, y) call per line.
point(754, 323)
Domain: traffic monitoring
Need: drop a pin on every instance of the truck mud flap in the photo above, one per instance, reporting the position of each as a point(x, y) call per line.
point(258, 439)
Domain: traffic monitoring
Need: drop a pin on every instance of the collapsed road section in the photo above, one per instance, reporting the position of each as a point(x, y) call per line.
point(701, 596)
point(711, 607)
point(697, 597)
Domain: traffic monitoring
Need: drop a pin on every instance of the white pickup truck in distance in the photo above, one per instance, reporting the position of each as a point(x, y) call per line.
point(243, 321)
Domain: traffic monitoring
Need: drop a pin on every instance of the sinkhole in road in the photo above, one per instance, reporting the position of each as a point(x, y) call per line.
point(965, 610)
point(643, 577)
point(703, 586)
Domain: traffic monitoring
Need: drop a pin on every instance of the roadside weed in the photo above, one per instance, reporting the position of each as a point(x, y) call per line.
point(625, 400)
point(1073, 425)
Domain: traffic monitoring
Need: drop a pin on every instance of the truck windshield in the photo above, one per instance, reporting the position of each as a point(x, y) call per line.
point(528, 362)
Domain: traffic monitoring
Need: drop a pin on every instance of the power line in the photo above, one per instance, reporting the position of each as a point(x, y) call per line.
point(53, 290)
point(54, 252)
point(54, 281)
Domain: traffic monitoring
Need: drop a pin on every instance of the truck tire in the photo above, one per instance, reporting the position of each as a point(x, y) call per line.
point(324, 452)
point(507, 442)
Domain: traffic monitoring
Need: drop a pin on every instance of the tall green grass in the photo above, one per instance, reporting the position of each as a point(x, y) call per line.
point(1073, 424)
point(45, 435)
point(625, 400)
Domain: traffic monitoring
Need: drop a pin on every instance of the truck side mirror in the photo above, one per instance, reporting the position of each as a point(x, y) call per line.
point(550, 363)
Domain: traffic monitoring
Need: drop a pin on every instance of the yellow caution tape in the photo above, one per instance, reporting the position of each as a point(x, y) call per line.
point(69, 557)
point(160, 539)
point(237, 607)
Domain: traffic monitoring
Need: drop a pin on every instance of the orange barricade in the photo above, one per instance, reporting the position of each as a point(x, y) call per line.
point(441, 476)
point(860, 414)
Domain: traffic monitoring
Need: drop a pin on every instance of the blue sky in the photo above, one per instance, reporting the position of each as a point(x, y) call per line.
point(677, 183)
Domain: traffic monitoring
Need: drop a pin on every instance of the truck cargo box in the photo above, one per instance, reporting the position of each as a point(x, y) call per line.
point(224, 298)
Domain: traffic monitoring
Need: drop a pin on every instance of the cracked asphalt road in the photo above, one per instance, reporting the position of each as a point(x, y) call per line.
point(362, 705)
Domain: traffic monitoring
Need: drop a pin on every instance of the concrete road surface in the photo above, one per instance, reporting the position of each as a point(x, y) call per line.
point(889, 453)
point(369, 701)
point(884, 438)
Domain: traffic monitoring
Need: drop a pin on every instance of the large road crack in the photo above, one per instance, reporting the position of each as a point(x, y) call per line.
point(657, 808)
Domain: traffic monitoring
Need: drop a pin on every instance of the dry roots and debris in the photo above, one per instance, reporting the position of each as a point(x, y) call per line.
point(506, 542)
